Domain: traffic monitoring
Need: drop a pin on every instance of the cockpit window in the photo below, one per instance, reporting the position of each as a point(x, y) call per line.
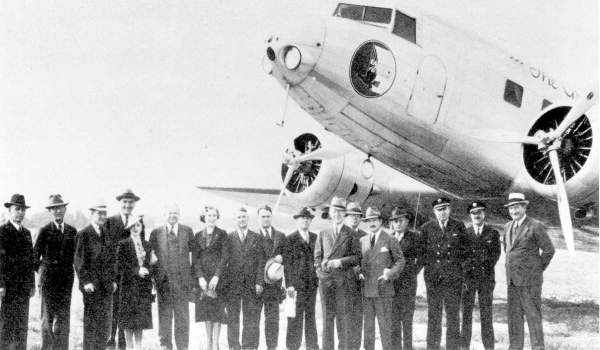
point(378, 15)
point(405, 27)
point(353, 12)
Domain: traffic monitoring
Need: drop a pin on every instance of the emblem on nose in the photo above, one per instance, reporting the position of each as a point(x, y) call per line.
point(372, 69)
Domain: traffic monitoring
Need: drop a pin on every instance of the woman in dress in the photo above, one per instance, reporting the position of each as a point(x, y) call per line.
point(210, 261)
point(133, 264)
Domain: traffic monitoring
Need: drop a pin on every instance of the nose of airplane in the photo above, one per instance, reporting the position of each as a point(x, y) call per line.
point(293, 51)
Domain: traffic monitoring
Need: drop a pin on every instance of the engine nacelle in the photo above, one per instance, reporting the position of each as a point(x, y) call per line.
point(315, 182)
point(578, 156)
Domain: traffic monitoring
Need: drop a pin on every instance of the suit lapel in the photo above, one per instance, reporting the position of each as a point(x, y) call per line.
point(521, 230)
point(341, 239)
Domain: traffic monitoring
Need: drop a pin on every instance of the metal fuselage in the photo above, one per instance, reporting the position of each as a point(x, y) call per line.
point(444, 86)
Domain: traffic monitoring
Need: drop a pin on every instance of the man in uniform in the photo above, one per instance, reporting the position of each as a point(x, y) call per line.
point(479, 276)
point(274, 244)
point(245, 278)
point(95, 257)
point(406, 284)
point(528, 252)
point(301, 279)
point(116, 227)
point(446, 250)
point(381, 263)
point(17, 266)
point(54, 252)
point(172, 243)
point(355, 318)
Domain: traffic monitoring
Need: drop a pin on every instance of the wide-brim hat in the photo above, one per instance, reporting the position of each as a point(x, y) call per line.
point(399, 213)
point(128, 193)
point(440, 203)
point(516, 198)
point(304, 213)
point(18, 200)
point(353, 208)
point(372, 213)
point(338, 203)
point(55, 200)
point(476, 206)
point(273, 271)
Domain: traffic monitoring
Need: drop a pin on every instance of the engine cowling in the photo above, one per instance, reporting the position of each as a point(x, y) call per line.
point(315, 182)
point(578, 157)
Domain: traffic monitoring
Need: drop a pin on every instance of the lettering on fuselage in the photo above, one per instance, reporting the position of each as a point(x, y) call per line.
point(372, 69)
point(537, 73)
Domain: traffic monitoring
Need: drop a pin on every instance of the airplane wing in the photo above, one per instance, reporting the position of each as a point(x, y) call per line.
point(253, 197)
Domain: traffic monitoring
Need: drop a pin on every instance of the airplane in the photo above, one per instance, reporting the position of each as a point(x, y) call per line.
point(415, 95)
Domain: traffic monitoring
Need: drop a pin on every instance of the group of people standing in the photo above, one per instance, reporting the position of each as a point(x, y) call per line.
point(362, 275)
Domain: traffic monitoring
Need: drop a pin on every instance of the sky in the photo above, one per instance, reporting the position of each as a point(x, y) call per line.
point(161, 96)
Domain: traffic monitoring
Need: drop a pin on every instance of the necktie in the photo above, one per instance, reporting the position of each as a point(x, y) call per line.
point(335, 232)
point(126, 220)
point(242, 236)
point(513, 232)
point(372, 241)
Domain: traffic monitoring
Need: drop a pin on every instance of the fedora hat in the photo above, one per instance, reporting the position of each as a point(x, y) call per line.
point(128, 193)
point(273, 271)
point(398, 213)
point(16, 199)
point(338, 203)
point(516, 198)
point(440, 203)
point(55, 200)
point(475, 207)
point(304, 213)
point(372, 213)
point(99, 207)
point(353, 208)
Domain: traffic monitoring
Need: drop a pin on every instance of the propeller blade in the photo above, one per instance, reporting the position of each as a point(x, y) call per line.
point(576, 111)
point(564, 211)
point(286, 180)
point(318, 154)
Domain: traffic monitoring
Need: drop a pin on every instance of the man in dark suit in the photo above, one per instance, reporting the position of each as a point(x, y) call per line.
point(245, 278)
point(405, 285)
point(301, 279)
point(446, 249)
point(116, 227)
point(95, 258)
point(172, 244)
point(336, 251)
point(528, 252)
point(274, 245)
point(479, 276)
point(54, 251)
point(355, 318)
point(17, 264)
point(382, 261)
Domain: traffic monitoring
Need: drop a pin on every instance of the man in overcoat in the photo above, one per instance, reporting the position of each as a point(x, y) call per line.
point(17, 266)
point(54, 252)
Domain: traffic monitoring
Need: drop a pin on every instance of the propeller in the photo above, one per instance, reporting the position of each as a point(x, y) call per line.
point(294, 163)
point(549, 142)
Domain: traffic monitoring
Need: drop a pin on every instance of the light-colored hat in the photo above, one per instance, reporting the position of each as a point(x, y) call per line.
point(516, 198)
point(99, 207)
point(338, 203)
point(353, 208)
point(55, 200)
point(372, 213)
point(273, 271)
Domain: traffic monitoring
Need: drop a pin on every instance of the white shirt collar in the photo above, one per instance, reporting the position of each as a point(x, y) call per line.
point(478, 229)
point(376, 234)
point(304, 234)
point(399, 235)
point(174, 227)
point(17, 226)
point(267, 232)
point(96, 228)
point(123, 218)
point(60, 226)
point(520, 222)
point(443, 224)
